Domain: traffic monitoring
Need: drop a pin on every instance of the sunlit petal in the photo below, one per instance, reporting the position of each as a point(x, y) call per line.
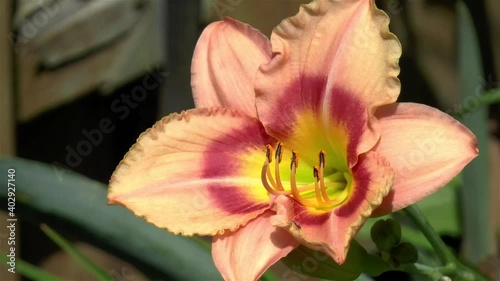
point(332, 58)
point(426, 148)
point(224, 65)
point(245, 255)
point(190, 172)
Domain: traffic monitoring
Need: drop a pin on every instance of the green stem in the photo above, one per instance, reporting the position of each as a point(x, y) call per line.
point(444, 254)
point(433, 273)
point(453, 266)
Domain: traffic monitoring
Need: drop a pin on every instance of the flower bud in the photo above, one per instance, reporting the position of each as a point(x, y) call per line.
point(386, 234)
point(405, 253)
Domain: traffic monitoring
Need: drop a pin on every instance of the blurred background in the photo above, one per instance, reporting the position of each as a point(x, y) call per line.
point(81, 79)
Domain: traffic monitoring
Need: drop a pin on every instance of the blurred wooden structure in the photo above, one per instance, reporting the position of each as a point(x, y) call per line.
point(58, 51)
point(66, 49)
point(7, 140)
point(7, 123)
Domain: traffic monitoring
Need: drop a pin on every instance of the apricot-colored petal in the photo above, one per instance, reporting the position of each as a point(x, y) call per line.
point(348, 43)
point(332, 232)
point(336, 59)
point(426, 149)
point(224, 65)
point(248, 252)
point(190, 172)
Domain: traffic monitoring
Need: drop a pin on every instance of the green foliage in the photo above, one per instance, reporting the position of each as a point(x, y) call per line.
point(478, 235)
point(404, 253)
point(318, 264)
point(386, 234)
point(98, 273)
point(440, 208)
point(30, 271)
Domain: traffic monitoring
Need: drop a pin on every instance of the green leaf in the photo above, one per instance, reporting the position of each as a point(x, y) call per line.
point(55, 193)
point(318, 264)
point(478, 235)
point(29, 271)
point(364, 277)
point(73, 252)
point(440, 208)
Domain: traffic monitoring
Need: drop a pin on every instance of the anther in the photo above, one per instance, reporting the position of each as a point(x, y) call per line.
point(316, 173)
point(322, 158)
point(269, 154)
point(279, 152)
point(295, 160)
point(279, 157)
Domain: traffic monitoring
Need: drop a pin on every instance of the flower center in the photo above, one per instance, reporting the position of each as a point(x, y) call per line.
point(326, 192)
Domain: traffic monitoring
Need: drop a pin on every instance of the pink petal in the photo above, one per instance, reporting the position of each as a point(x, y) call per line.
point(224, 65)
point(247, 253)
point(306, 123)
point(425, 147)
point(332, 232)
point(196, 172)
point(347, 42)
point(336, 59)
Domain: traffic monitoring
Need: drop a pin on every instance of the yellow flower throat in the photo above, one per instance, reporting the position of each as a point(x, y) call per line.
point(325, 193)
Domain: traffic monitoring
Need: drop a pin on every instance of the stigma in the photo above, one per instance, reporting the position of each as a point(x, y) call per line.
point(315, 194)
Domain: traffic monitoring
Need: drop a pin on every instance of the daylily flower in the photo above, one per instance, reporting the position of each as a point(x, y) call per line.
point(294, 140)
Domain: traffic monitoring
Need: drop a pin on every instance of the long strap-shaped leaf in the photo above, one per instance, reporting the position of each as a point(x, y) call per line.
point(478, 236)
point(29, 271)
point(89, 265)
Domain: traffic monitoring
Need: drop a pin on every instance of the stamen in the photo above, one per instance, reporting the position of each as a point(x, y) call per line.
point(275, 187)
point(321, 175)
point(295, 192)
point(269, 158)
point(316, 187)
point(271, 179)
point(279, 157)
point(263, 178)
